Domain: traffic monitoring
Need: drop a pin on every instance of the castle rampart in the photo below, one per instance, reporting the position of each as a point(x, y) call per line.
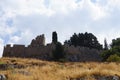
point(38, 49)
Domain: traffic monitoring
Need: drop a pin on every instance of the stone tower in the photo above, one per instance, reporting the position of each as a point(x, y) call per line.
point(38, 41)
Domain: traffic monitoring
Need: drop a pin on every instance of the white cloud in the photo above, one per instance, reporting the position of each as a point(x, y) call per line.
point(95, 10)
point(24, 37)
point(109, 35)
point(62, 6)
point(15, 38)
point(114, 3)
point(1, 47)
point(25, 7)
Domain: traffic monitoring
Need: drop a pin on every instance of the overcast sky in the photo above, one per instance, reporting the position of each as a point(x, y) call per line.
point(23, 20)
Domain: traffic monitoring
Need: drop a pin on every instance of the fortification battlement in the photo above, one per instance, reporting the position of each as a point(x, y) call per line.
point(38, 41)
point(14, 46)
point(38, 49)
point(8, 45)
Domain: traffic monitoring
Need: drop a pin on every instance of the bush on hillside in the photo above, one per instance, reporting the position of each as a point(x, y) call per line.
point(107, 53)
point(113, 58)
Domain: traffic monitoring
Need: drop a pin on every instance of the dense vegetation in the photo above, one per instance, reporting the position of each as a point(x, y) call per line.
point(84, 40)
point(58, 53)
point(112, 54)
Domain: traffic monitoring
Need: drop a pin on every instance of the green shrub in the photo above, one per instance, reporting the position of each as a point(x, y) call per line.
point(2, 62)
point(58, 54)
point(107, 53)
point(114, 58)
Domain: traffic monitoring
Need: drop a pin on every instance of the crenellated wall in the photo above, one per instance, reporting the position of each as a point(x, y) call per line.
point(38, 49)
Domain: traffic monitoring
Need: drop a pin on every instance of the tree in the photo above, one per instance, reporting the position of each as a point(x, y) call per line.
point(115, 42)
point(84, 40)
point(54, 37)
point(114, 50)
point(58, 53)
point(74, 39)
point(105, 45)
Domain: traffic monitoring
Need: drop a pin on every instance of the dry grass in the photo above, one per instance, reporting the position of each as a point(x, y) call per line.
point(44, 70)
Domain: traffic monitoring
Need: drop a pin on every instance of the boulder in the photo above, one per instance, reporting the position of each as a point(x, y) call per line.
point(3, 77)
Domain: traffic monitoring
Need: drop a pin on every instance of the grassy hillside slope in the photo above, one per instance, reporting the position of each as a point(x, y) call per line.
point(32, 69)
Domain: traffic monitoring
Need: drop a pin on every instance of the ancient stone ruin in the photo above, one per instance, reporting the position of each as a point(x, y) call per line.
point(38, 49)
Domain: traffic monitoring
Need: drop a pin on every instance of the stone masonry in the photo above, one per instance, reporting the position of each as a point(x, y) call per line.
point(38, 49)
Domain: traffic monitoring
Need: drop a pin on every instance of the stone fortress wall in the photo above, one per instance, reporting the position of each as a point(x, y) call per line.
point(38, 49)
